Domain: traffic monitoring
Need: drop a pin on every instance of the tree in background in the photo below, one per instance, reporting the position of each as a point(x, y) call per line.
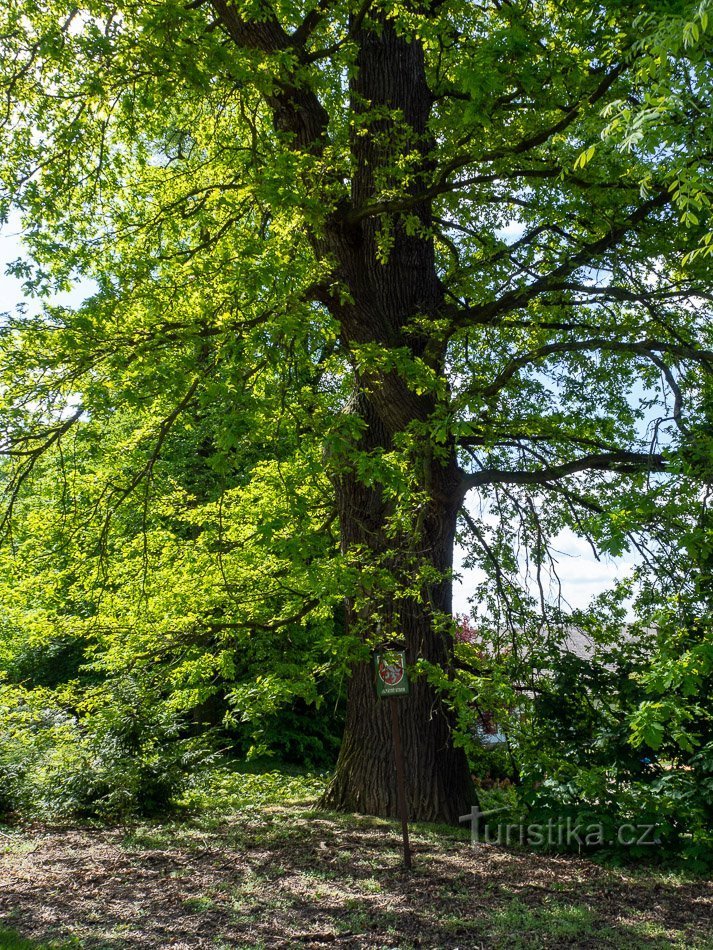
point(436, 248)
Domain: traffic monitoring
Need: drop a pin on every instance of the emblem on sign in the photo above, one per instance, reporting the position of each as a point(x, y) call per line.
point(391, 678)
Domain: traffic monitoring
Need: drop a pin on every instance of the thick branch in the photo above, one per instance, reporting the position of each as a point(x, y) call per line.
point(296, 108)
point(645, 348)
point(622, 463)
point(491, 311)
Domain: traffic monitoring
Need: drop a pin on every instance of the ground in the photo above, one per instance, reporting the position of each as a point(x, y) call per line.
point(287, 875)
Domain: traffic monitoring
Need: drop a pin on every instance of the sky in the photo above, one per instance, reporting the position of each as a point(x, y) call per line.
point(10, 287)
point(582, 576)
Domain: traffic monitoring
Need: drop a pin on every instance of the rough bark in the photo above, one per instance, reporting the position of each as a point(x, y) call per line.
point(438, 782)
point(387, 296)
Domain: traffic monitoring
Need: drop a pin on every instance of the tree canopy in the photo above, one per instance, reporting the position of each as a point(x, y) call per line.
point(353, 264)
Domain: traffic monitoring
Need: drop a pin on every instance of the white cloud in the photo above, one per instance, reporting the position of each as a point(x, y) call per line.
point(582, 575)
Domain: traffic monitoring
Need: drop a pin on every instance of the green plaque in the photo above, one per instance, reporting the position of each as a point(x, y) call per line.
point(391, 677)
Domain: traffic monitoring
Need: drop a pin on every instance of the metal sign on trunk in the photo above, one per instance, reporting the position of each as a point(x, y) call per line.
point(391, 676)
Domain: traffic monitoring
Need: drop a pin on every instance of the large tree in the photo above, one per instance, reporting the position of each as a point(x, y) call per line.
point(462, 245)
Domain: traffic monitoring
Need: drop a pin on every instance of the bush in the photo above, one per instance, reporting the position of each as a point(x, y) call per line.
point(127, 758)
point(589, 755)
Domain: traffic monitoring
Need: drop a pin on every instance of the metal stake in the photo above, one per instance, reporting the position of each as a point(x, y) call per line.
point(400, 778)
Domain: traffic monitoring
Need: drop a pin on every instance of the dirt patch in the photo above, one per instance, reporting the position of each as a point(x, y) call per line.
point(290, 878)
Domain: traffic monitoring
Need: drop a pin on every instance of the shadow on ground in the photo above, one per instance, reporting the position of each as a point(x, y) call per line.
point(295, 878)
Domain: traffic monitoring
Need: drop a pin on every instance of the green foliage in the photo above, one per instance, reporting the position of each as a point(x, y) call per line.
point(595, 750)
point(127, 758)
point(195, 637)
point(301, 734)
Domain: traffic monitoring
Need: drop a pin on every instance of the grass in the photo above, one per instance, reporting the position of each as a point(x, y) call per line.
point(249, 787)
point(11, 940)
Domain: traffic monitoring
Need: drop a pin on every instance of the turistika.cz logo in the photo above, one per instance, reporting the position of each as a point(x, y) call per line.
point(556, 832)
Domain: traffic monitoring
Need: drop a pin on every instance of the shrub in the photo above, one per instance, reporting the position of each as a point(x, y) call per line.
point(122, 755)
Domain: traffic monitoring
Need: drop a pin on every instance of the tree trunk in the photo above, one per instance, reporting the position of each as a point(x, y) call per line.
point(439, 787)
point(387, 295)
